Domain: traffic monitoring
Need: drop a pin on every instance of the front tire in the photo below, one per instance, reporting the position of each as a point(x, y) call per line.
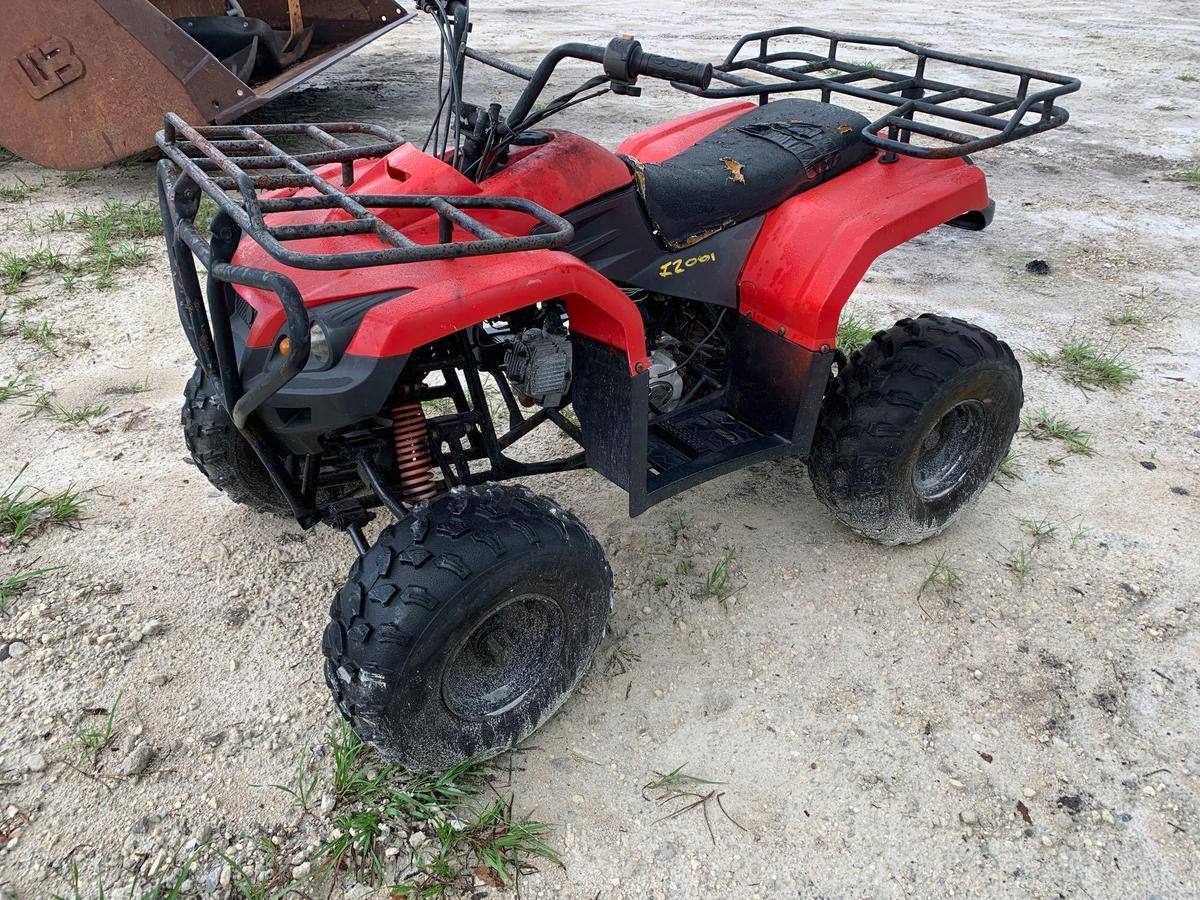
point(914, 427)
point(220, 452)
point(466, 625)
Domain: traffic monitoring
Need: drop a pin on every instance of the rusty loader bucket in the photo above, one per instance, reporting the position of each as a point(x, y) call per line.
point(87, 82)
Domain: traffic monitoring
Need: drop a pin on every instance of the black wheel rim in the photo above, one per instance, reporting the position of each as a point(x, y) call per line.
point(949, 449)
point(502, 658)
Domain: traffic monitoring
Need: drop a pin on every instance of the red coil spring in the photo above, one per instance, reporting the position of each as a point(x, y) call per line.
point(414, 461)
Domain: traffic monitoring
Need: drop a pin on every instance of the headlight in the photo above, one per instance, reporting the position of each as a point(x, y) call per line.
point(318, 343)
point(320, 353)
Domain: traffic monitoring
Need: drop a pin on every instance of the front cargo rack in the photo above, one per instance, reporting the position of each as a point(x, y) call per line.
point(253, 179)
point(236, 165)
point(916, 102)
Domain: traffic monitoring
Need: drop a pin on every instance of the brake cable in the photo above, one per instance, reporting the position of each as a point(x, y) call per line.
point(697, 348)
point(556, 106)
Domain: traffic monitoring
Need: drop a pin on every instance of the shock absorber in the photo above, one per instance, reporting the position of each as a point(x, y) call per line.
point(410, 441)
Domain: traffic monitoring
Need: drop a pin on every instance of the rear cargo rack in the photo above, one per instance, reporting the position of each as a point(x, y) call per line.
point(236, 165)
point(916, 102)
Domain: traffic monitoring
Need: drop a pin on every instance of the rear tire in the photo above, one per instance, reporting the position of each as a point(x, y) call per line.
point(914, 427)
point(220, 452)
point(466, 625)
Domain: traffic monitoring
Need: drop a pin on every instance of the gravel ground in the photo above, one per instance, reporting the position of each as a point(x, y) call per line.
point(1030, 729)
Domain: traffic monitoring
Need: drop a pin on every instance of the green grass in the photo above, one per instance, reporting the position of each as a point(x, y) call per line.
point(686, 792)
point(1079, 533)
point(1190, 177)
point(16, 583)
point(353, 778)
point(357, 776)
point(676, 780)
point(503, 842)
point(40, 333)
point(1020, 563)
point(356, 844)
point(305, 783)
point(29, 510)
point(1187, 77)
point(15, 388)
point(421, 796)
point(854, 63)
point(19, 191)
point(1009, 467)
point(116, 221)
point(1045, 426)
point(1041, 530)
point(717, 582)
point(942, 575)
point(14, 270)
point(245, 885)
point(56, 221)
point(128, 388)
point(77, 891)
point(94, 740)
point(107, 260)
point(71, 179)
point(115, 239)
point(678, 525)
point(206, 213)
point(71, 416)
point(1086, 365)
point(1127, 316)
point(853, 334)
point(487, 841)
point(465, 838)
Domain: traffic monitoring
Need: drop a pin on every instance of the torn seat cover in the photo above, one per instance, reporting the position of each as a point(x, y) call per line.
point(749, 166)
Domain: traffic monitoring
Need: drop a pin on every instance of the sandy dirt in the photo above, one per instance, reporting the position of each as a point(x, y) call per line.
point(1032, 736)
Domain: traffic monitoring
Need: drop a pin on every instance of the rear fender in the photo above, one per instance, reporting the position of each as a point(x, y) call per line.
point(814, 249)
point(480, 288)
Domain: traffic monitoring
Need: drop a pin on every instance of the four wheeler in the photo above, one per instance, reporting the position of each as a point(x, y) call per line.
point(383, 323)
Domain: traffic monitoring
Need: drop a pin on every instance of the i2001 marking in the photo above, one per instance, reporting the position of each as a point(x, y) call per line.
point(679, 266)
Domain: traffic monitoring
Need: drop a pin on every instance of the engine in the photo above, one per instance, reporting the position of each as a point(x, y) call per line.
point(666, 384)
point(538, 364)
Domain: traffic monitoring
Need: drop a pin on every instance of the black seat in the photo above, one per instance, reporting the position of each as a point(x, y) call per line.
point(750, 165)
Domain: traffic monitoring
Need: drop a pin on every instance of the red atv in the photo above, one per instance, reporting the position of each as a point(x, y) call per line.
point(383, 322)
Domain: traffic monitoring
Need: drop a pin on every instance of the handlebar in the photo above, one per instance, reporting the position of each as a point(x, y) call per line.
point(623, 60)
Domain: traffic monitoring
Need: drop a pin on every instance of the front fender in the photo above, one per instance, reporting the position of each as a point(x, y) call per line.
point(474, 289)
point(814, 248)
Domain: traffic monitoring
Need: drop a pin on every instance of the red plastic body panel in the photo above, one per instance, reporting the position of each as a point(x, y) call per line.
point(812, 251)
point(565, 172)
point(465, 291)
point(814, 248)
point(664, 141)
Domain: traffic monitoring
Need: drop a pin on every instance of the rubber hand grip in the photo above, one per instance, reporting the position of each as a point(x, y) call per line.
point(671, 69)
